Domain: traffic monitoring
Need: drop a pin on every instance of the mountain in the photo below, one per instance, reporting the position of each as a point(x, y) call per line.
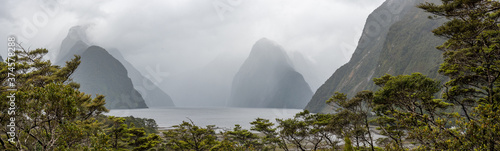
point(75, 42)
point(101, 73)
point(154, 96)
point(396, 40)
point(268, 80)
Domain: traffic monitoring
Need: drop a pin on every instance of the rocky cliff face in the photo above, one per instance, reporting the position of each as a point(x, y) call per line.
point(100, 73)
point(268, 80)
point(397, 39)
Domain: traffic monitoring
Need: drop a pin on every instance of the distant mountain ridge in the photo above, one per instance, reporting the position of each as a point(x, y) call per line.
point(402, 44)
point(267, 79)
point(114, 83)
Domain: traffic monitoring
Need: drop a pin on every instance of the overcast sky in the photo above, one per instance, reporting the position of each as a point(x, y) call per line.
point(179, 35)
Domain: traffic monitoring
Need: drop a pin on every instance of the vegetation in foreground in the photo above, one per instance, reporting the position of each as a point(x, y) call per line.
point(54, 115)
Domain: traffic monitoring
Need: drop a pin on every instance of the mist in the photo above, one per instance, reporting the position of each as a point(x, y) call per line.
point(192, 49)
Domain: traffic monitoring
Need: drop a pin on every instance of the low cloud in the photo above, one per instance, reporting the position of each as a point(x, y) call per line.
point(184, 35)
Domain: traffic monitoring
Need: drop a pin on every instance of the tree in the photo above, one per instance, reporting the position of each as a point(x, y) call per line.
point(270, 139)
point(407, 109)
point(340, 126)
point(118, 133)
point(355, 114)
point(146, 142)
point(348, 144)
point(50, 112)
point(471, 61)
point(319, 130)
point(363, 101)
point(148, 125)
point(188, 136)
point(121, 136)
point(294, 131)
point(242, 138)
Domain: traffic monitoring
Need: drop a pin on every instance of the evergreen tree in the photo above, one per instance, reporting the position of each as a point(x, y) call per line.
point(355, 115)
point(407, 110)
point(270, 140)
point(471, 61)
point(188, 136)
point(243, 139)
point(294, 131)
point(50, 112)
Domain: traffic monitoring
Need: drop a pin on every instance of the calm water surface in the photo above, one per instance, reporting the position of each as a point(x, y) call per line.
point(221, 117)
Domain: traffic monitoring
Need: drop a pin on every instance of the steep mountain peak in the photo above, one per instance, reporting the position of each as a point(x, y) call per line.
point(265, 45)
point(266, 41)
point(269, 51)
point(268, 79)
point(78, 33)
point(97, 53)
point(101, 73)
point(97, 50)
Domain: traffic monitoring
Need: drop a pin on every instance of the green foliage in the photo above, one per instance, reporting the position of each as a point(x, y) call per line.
point(320, 131)
point(188, 136)
point(243, 139)
point(116, 134)
point(471, 61)
point(294, 131)
point(270, 140)
point(307, 131)
point(352, 116)
point(407, 109)
point(348, 144)
point(149, 125)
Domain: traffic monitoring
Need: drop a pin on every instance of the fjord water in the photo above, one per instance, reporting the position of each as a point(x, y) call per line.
point(221, 117)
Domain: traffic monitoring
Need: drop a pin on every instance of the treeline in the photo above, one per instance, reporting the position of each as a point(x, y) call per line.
point(305, 131)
